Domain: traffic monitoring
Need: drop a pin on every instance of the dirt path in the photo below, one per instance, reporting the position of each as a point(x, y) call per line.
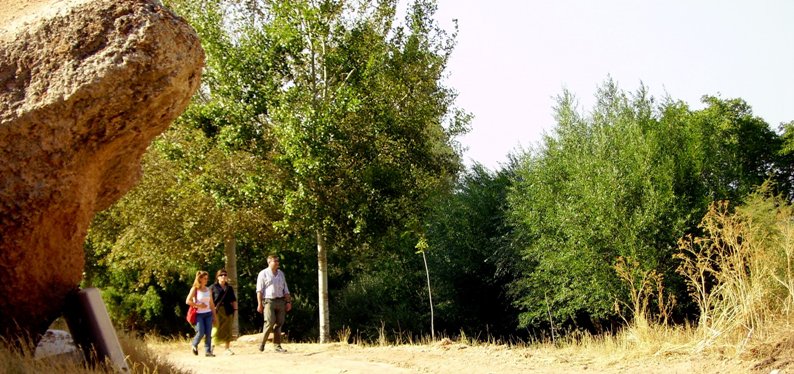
point(443, 358)
point(299, 358)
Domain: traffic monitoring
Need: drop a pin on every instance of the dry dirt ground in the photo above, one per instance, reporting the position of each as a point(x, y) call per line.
point(442, 357)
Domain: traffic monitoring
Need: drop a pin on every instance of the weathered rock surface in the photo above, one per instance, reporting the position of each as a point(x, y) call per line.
point(84, 88)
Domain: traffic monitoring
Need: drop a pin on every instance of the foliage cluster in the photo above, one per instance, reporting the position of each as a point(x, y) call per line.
point(323, 132)
point(614, 190)
point(317, 123)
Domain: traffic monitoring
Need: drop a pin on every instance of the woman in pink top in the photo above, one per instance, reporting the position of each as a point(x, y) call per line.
point(200, 297)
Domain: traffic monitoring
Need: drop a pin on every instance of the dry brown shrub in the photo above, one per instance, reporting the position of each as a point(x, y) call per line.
point(644, 286)
point(739, 272)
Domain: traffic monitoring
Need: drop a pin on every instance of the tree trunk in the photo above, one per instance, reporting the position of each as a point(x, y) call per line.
point(430, 295)
point(322, 279)
point(230, 247)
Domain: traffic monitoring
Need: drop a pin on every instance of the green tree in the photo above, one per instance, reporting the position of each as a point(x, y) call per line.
point(787, 136)
point(468, 238)
point(785, 169)
point(739, 150)
point(360, 133)
point(191, 199)
point(593, 193)
point(624, 182)
point(348, 107)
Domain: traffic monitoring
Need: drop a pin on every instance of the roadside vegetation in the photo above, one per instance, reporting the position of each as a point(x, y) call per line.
point(325, 134)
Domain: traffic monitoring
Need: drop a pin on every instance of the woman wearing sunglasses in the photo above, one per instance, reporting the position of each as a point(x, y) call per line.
point(225, 305)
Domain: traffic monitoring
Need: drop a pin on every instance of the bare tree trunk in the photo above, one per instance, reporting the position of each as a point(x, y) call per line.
point(230, 247)
point(430, 295)
point(322, 279)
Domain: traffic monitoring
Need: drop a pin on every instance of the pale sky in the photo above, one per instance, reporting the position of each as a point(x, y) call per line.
point(515, 56)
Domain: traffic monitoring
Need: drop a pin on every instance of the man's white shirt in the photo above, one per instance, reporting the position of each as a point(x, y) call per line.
point(271, 286)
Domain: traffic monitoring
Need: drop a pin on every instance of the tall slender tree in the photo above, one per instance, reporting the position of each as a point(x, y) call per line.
point(348, 108)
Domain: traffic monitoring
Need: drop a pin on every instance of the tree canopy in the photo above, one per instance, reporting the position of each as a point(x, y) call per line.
point(321, 119)
point(624, 182)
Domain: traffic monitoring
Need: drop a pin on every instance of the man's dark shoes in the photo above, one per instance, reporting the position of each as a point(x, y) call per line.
point(195, 350)
point(279, 349)
point(261, 348)
point(209, 354)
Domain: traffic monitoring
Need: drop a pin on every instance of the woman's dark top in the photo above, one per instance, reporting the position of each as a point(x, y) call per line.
point(217, 294)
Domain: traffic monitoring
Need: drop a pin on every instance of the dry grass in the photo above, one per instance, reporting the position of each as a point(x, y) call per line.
point(140, 359)
point(740, 273)
point(143, 360)
point(13, 361)
point(648, 348)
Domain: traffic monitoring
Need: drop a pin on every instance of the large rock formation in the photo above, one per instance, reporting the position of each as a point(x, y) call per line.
point(84, 88)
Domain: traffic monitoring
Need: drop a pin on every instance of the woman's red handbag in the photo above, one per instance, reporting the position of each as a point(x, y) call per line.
point(191, 315)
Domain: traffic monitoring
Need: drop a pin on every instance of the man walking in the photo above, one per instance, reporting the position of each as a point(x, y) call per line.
point(272, 295)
